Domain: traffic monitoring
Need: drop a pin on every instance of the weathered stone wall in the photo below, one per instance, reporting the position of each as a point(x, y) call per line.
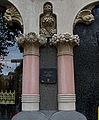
point(66, 11)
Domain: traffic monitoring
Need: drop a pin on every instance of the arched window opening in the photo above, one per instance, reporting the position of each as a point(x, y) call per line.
point(86, 67)
point(10, 69)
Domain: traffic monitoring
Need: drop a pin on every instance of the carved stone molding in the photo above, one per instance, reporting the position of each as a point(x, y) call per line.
point(66, 98)
point(48, 21)
point(30, 102)
point(66, 101)
point(31, 98)
point(85, 16)
point(31, 42)
point(65, 42)
point(12, 15)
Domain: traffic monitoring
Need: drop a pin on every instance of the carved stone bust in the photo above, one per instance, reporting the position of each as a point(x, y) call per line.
point(48, 21)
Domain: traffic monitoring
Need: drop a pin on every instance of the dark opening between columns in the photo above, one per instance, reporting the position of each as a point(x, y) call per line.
point(48, 91)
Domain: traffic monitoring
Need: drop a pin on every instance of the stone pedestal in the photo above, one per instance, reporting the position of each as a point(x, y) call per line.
point(30, 84)
point(31, 115)
point(52, 115)
point(66, 90)
point(68, 115)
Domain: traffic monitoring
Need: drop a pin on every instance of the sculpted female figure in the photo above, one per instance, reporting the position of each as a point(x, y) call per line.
point(48, 20)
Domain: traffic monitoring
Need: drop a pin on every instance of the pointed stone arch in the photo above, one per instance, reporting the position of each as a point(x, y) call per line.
point(88, 33)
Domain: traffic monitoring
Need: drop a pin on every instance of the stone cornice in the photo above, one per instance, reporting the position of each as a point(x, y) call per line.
point(65, 43)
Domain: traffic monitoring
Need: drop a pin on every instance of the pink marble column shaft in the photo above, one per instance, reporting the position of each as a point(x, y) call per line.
point(30, 75)
point(65, 75)
point(30, 84)
point(66, 88)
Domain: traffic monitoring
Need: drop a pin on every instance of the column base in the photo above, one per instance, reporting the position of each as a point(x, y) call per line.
point(66, 102)
point(30, 102)
point(68, 115)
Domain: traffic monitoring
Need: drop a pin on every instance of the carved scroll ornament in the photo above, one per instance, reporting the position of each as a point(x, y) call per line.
point(84, 16)
point(12, 15)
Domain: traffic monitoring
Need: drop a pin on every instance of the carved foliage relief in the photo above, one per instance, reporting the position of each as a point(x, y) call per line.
point(48, 21)
point(12, 15)
point(85, 16)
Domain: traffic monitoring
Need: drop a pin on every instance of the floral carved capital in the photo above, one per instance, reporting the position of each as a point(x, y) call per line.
point(65, 38)
point(31, 39)
point(31, 42)
point(65, 42)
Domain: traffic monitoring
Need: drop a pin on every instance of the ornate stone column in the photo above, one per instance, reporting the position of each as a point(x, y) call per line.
point(66, 90)
point(30, 84)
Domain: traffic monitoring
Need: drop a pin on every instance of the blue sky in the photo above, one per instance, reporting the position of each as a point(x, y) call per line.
point(14, 53)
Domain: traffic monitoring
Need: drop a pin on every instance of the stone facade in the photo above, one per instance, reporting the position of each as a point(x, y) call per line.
point(65, 19)
point(37, 17)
